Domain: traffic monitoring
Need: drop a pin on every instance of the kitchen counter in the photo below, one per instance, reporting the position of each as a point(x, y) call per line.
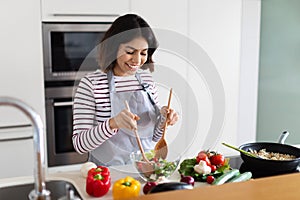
point(276, 187)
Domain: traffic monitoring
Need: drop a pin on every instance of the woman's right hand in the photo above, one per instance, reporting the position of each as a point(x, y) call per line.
point(125, 119)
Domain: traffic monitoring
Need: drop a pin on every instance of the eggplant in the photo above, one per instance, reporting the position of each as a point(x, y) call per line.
point(163, 187)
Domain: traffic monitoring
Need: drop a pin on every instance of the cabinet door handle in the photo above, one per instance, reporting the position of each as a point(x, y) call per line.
point(16, 139)
point(84, 15)
point(20, 132)
point(15, 126)
point(67, 103)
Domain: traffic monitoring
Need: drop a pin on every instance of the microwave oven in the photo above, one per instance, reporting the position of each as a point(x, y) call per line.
point(69, 49)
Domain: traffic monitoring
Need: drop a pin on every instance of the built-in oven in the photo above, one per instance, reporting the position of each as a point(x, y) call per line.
point(70, 51)
point(59, 120)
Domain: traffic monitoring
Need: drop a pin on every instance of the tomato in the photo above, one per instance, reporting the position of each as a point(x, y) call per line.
point(203, 156)
point(210, 179)
point(213, 168)
point(217, 159)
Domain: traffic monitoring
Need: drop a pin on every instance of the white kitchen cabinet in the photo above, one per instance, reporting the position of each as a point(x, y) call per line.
point(167, 14)
point(229, 32)
point(215, 25)
point(21, 59)
point(21, 77)
point(81, 10)
point(16, 152)
point(249, 71)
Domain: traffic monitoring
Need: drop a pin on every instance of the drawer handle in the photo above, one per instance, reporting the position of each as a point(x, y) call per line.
point(67, 103)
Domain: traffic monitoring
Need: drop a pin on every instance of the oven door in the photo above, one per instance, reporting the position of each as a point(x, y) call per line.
point(59, 120)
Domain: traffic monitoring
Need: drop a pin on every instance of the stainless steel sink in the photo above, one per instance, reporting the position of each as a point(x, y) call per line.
point(58, 189)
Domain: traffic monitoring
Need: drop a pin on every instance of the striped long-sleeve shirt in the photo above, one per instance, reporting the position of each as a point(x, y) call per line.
point(92, 109)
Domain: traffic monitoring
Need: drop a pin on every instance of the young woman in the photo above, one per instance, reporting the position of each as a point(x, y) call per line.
point(102, 124)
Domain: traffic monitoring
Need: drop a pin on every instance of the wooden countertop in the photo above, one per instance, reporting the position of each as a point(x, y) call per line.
point(270, 188)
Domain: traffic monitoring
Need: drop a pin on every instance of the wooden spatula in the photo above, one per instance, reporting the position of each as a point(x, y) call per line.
point(138, 139)
point(240, 150)
point(161, 147)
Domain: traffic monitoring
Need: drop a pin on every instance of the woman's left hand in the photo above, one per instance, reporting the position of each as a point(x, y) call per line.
point(170, 114)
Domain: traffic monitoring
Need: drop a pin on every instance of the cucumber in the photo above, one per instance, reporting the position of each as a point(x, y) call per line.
point(241, 177)
point(225, 177)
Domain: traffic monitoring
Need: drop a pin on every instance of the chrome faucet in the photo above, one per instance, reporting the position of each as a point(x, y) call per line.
point(39, 191)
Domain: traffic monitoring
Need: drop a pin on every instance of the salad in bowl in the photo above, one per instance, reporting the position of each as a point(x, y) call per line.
point(157, 168)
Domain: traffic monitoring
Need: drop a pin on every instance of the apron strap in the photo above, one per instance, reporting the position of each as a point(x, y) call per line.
point(145, 87)
point(111, 84)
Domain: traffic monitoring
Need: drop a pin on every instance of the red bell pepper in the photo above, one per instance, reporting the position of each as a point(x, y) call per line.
point(98, 181)
point(99, 170)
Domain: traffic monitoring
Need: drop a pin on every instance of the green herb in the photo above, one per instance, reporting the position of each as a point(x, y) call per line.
point(187, 167)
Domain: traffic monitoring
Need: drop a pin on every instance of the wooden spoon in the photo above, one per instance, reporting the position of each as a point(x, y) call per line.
point(146, 166)
point(161, 147)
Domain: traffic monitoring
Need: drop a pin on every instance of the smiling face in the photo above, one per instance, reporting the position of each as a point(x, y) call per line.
point(131, 56)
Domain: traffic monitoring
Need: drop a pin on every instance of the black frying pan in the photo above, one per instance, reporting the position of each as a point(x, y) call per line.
point(272, 166)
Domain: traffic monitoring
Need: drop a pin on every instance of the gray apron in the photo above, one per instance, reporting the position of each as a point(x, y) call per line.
point(116, 150)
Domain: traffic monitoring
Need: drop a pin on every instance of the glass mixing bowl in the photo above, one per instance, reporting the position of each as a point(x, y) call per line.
point(157, 168)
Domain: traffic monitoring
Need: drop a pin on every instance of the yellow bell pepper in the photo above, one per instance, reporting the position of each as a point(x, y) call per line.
point(126, 188)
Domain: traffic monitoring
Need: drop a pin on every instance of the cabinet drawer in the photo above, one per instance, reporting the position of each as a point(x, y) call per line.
point(16, 151)
point(83, 10)
point(16, 158)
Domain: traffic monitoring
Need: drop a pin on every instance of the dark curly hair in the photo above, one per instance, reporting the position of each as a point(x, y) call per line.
point(123, 30)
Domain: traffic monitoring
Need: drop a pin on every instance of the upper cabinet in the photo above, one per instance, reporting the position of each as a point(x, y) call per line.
point(167, 14)
point(81, 10)
point(21, 67)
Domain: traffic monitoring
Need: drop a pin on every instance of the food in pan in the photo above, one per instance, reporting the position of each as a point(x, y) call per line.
point(272, 155)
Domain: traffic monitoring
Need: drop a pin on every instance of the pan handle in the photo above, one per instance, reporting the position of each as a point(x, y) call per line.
point(283, 136)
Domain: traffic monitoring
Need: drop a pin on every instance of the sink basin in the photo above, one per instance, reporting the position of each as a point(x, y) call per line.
point(57, 189)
